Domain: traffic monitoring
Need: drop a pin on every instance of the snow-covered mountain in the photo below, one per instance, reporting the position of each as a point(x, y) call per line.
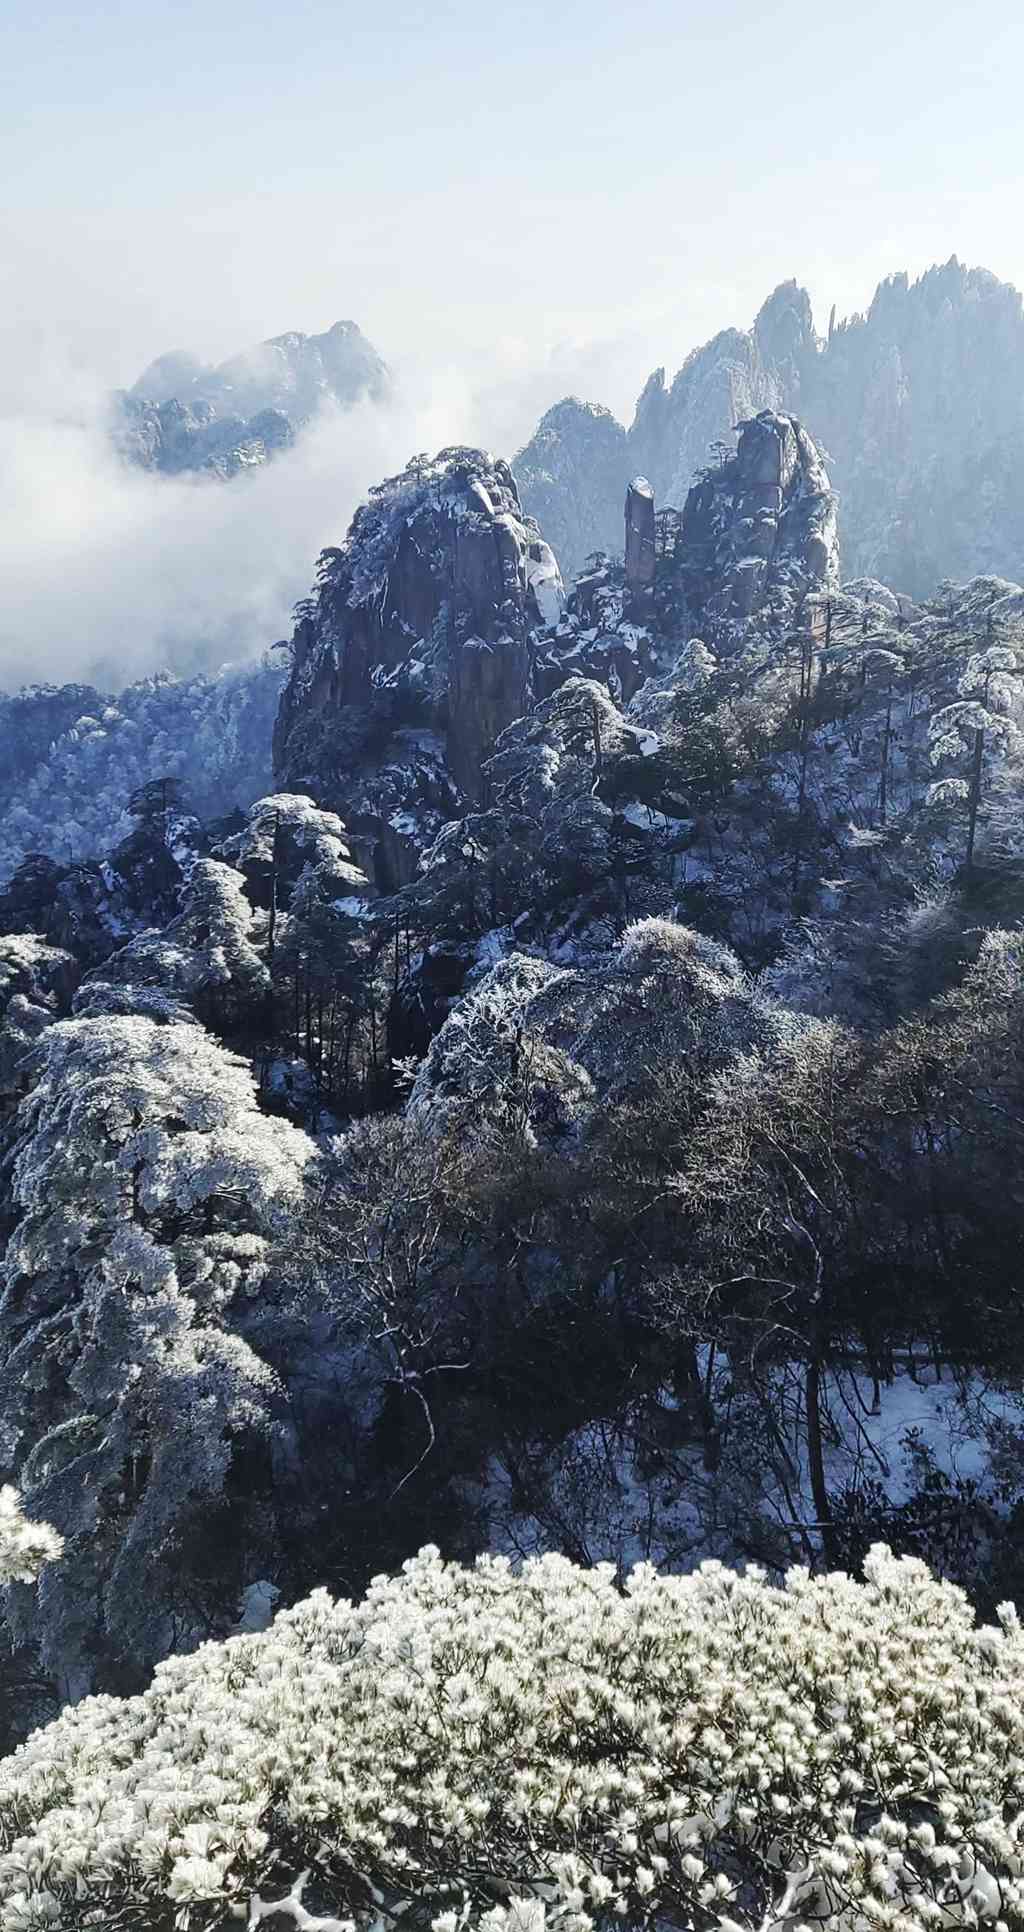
point(918, 406)
point(182, 415)
point(576, 1106)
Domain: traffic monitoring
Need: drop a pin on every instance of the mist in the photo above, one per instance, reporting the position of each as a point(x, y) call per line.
point(110, 572)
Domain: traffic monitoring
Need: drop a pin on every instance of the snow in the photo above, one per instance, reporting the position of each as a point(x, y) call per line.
point(948, 1420)
point(256, 1608)
point(646, 819)
point(545, 581)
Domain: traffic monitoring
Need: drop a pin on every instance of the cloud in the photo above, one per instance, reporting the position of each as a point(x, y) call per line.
point(109, 572)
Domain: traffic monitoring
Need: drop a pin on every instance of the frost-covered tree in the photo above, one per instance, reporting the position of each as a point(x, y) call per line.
point(25, 1546)
point(548, 1752)
point(206, 957)
point(981, 717)
point(146, 1181)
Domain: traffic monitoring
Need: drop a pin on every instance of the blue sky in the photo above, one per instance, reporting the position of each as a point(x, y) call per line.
point(554, 196)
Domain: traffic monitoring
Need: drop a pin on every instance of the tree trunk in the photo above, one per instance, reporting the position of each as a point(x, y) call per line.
point(816, 1460)
point(975, 796)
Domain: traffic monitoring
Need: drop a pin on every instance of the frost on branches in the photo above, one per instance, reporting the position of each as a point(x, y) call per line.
point(24, 1546)
point(471, 1747)
point(131, 1372)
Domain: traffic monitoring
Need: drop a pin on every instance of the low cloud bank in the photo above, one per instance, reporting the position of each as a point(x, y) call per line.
point(110, 572)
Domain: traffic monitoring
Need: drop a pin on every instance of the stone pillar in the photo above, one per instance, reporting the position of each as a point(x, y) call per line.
point(639, 537)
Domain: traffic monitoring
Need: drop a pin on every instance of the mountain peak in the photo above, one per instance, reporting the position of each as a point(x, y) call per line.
point(184, 415)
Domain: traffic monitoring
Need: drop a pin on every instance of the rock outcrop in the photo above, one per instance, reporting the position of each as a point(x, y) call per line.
point(415, 653)
point(758, 532)
point(639, 537)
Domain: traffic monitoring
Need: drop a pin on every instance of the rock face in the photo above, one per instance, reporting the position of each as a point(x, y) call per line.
point(758, 532)
point(183, 416)
point(174, 436)
point(415, 653)
point(571, 475)
point(919, 404)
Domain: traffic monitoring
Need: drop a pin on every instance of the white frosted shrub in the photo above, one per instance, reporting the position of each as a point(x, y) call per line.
point(663, 945)
point(471, 1746)
point(24, 1545)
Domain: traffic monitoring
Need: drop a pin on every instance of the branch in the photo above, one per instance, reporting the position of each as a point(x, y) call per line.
point(432, 1438)
point(291, 1907)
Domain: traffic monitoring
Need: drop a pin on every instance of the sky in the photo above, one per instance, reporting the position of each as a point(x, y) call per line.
point(514, 203)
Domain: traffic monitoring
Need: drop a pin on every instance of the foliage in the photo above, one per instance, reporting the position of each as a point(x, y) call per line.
point(24, 1545)
point(475, 1747)
point(146, 1182)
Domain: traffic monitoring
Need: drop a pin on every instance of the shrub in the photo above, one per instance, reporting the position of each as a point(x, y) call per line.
point(479, 1746)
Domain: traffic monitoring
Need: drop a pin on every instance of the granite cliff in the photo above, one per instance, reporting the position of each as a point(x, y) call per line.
point(918, 405)
point(415, 653)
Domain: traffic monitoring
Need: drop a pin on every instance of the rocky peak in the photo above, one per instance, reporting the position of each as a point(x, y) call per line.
point(759, 531)
point(574, 471)
point(784, 327)
point(416, 652)
point(296, 373)
point(757, 534)
point(572, 474)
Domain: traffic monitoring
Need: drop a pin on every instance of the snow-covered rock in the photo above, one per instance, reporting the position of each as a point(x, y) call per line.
point(416, 652)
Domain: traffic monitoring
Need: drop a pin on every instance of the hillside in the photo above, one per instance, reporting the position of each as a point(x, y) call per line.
point(570, 1117)
point(71, 756)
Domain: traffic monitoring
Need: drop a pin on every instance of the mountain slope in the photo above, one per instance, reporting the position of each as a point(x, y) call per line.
point(918, 405)
point(71, 756)
point(654, 1029)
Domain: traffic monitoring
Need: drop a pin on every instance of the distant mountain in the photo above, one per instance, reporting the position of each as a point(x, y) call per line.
point(182, 415)
point(918, 405)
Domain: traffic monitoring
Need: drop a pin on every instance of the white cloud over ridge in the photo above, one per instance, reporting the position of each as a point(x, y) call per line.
point(110, 572)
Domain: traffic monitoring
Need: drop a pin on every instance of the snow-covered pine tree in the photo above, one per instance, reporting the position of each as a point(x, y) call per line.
point(146, 1180)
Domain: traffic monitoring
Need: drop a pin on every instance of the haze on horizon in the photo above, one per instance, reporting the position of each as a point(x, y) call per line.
point(590, 186)
point(513, 207)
